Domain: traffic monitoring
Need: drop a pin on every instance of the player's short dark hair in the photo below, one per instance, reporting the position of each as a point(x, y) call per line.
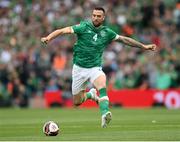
point(100, 8)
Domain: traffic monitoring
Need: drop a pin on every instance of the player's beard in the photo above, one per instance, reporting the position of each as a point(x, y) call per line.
point(97, 24)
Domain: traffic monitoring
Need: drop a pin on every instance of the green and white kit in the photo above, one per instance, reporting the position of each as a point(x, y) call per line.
point(88, 51)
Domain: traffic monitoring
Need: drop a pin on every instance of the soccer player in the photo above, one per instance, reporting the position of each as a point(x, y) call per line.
point(92, 39)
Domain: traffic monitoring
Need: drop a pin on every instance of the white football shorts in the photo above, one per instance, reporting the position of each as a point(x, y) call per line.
point(80, 77)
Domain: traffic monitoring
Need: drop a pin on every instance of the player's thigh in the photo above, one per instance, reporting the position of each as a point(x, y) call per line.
point(98, 78)
point(79, 80)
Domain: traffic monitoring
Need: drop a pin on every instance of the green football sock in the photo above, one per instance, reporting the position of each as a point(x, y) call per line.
point(86, 96)
point(104, 101)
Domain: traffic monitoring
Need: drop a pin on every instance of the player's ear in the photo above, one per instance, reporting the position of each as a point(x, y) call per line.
point(103, 17)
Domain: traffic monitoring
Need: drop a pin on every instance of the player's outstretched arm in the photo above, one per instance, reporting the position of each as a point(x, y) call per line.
point(67, 30)
point(134, 43)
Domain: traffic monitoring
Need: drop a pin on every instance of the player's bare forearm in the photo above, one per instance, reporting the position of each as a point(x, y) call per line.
point(51, 36)
point(130, 42)
point(134, 43)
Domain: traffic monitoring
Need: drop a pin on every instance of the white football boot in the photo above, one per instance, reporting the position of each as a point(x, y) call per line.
point(94, 95)
point(106, 118)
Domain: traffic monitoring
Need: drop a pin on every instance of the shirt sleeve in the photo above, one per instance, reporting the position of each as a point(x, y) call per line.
point(79, 28)
point(112, 35)
point(117, 37)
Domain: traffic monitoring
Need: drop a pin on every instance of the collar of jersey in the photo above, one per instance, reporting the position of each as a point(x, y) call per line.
point(95, 28)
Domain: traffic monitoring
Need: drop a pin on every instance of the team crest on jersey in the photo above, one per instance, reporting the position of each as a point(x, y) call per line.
point(102, 33)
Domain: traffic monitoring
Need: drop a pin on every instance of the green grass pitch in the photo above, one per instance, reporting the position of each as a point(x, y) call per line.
point(84, 124)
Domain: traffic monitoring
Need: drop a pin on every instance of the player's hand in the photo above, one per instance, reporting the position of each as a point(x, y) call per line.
point(44, 40)
point(150, 47)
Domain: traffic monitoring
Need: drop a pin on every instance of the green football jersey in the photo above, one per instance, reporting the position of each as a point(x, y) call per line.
point(91, 42)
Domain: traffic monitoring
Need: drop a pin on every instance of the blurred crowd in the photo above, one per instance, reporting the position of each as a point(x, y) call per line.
point(28, 68)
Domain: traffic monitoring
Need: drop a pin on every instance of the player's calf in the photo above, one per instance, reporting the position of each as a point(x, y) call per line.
point(77, 102)
point(82, 97)
point(78, 99)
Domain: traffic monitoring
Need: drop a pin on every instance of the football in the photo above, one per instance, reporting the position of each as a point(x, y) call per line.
point(51, 128)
